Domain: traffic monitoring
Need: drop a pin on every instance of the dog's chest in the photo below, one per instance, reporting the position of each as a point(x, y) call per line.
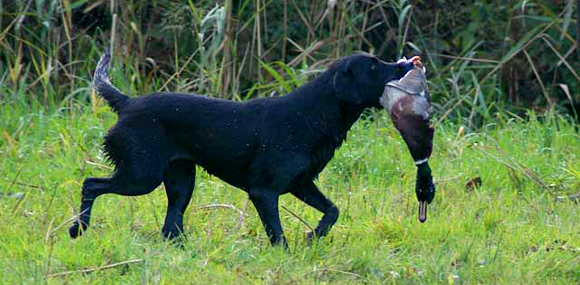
point(293, 163)
point(320, 158)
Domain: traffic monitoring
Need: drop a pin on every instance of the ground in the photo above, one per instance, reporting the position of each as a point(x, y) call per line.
point(508, 230)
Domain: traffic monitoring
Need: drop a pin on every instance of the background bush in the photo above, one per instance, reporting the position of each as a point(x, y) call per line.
point(483, 57)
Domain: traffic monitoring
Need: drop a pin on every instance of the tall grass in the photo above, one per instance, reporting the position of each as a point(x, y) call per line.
point(482, 58)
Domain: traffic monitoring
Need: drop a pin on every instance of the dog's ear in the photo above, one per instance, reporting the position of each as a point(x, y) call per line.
point(344, 83)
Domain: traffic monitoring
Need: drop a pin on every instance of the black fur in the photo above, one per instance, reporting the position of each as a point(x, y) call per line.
point(266, 147)
point(101, 83)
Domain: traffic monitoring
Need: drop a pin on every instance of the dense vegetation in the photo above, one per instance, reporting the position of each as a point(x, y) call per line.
point(503, 76)
point(484, 56)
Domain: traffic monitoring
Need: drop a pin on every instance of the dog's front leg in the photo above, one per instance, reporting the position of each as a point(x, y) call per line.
point(266, 204)
point(310, 195)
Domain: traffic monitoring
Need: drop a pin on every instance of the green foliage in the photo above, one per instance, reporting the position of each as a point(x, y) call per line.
point(483, 57)
point(508, 230)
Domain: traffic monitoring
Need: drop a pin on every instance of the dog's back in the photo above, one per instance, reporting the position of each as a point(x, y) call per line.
point(241, 143)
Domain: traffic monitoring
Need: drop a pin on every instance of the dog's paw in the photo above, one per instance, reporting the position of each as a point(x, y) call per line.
point(75, 230)
point(309, 237)
point(171, 234)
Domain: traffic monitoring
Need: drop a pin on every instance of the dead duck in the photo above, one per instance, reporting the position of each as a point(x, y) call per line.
point(407, 101)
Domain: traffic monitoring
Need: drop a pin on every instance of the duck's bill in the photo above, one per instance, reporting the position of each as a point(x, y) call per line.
point(423, 211)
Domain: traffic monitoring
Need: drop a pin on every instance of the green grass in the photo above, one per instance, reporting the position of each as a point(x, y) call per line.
point(508, 231)
point(481, 63)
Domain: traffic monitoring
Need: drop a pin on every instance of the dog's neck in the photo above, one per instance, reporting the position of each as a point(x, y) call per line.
point(328, 115)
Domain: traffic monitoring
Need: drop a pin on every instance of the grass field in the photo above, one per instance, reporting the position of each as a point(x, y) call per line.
point(509, 230)
point(487, 63)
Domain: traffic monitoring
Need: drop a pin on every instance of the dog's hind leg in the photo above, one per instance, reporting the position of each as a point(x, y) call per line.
point(127, 181)
point(310, 194)
point(179, 181)
point(92, 188)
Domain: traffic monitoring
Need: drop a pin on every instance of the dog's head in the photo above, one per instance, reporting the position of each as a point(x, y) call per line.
point(360, 79)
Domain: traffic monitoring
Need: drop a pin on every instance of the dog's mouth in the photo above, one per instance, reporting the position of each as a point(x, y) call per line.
point(407, 101)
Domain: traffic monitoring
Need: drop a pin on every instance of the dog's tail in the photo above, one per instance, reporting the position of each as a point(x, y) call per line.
point(103, 85)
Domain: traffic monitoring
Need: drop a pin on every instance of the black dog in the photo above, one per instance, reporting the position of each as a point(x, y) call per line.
point(266, 147)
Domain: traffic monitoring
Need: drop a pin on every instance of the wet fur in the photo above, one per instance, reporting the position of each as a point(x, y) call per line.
point(266, 147)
